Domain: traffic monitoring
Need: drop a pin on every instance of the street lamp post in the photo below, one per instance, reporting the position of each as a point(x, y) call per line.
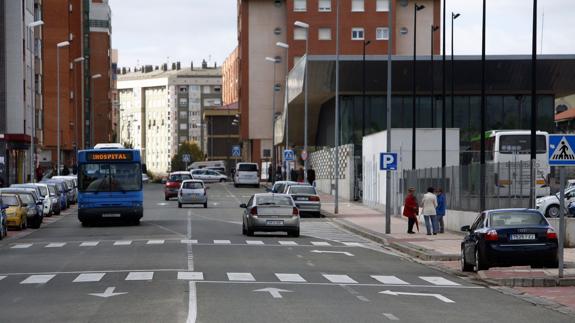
point(92, 92)
point(416, 8)
point(305, 118)
point(365, 44)
point(286, 47)
point(81, 61)
point(533, 136)
point(31, 26)
point(433, 30)
point(58, 46)
point(336, 126)
point(273, 152)
point(482, 114)
point(453, 17)
point(443, 107)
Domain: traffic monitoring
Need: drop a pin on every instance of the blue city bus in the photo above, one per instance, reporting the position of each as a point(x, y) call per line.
point(110, 185)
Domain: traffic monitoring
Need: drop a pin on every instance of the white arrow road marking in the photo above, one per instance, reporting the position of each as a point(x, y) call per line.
point(162, 203)
point(337, 252)
point(438, 296)
point(108, 293)
point(391, 317)
point(275, 292)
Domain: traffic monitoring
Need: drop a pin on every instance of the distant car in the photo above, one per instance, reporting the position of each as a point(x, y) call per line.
point(43, 195)
point(246, 174)
point(16, 213)
point(55, 196)
point(62, 190)
point(172, 186)
point(280, 186)
point(509, 237)
point(270, 212)
point(208, 176)
point(72, 184)
point(30, 197)
point(549, 205)
point(193, 191)
point(145, 178)
point(3, 220)
point(305, 197)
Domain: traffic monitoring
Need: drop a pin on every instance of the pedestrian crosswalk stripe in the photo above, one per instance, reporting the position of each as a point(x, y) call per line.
point(123, 243)
point(241, 277)
point(188, 275)
point(392, 280)
point(140, 275)
point(88, 278)
point(37, 279)
point(222, 241)
point(288, 243)
point(255, 242)
point(320, 243)
point(56, 245)
point(352, 244)
point(340, 279)
point(155, 242)
point(89, 244)
point(2, 277)
point(439, 281)
point(293, 278)
point(21, 246)
point(186, 241)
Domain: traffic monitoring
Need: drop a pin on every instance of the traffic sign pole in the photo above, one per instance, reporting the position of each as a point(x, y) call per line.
point(561, 220)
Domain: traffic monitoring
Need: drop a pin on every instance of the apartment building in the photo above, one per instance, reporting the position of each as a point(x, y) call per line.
point(161, 109)
point(20, 79)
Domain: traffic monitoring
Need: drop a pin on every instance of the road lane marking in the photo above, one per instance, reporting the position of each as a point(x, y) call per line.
point(392, 280)
point(254, 242)
point(188, 275)
point(294, 278)
point(438, 296)
point(21, 246)
point(439, 281)
point(391, 317)
point(123, 243)
point(188, 241)
point(288, 243)
point(339, 279)
point(333, 252)
point(363, 298)
point(192, 295)
point(240, 277)
point(274, 292)
point(141, 275)
point(109, 292)
point(155, 242)
point(89, 243)
point(320, 243)
point(2, 277)
point(353, 244)
point(222, 242)
point(55, 245)
point(37, 279)
point(86, 278)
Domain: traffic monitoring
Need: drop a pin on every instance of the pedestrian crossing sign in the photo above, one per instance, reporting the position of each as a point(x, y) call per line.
point(561, 151)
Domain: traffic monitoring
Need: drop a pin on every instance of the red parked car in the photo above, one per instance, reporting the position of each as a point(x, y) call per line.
point(173, 183)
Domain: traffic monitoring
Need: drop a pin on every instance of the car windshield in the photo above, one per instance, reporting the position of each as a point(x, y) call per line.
point(274, 200)
point(193, 185)
point(26, 198)
point(302, 190)
point(248, 168)
point(43, 190)
point(51, 190)
point(179, 177)
point(110, 177)
point(518, 218)
point(10, 200)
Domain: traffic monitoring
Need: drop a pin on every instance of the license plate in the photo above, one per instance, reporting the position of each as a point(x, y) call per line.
point(530, 236)
point(274, 222)
point(302, 198)
point(111, 215)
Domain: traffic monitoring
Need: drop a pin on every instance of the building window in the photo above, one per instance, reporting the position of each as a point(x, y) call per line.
point(299, 33)
point(183, 126)
point(183, 138)
point(324, 34)
point(300, 5)
point(357, 34)
point(206, 89)
point(183, 114)
point(382, 5)
point(183, 102)
point(324, 5)
point(357, 5)
point(382, 33)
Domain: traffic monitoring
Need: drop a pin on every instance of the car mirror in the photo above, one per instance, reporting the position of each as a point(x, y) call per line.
point(243, 206)
point(465, 228)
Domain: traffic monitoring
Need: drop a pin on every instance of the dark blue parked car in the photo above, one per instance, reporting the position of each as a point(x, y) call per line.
point(509, 237)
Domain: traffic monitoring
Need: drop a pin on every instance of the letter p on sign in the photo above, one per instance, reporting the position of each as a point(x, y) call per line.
point(388, 161)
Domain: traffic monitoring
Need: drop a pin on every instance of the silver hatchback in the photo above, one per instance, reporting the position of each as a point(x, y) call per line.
point(192, 191)
point(270, 212)
point(306, 198)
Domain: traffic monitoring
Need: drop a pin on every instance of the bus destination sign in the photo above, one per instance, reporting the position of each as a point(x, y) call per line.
point(110, 156)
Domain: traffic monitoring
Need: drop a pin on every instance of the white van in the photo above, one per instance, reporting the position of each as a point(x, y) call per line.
point(218, 165)
point(247, 174)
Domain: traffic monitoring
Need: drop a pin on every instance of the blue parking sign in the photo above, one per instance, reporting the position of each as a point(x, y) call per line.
point(388, 161)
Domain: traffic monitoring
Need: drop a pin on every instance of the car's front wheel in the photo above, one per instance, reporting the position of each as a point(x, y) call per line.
point(465, 267)
point(552, 211)
point(222, 180)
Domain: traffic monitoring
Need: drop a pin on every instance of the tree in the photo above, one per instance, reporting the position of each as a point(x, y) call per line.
point(190, 148)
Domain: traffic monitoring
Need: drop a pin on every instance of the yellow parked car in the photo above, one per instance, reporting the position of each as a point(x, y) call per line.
point(16, 213)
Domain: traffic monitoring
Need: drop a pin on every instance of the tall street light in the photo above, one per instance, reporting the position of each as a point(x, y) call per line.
point(443, 108)
point(286, 47)
point(91, 114)
point(433, 30)
point(305, 26)
point(533, 157)
point(58, 46)
point(365, 44)
point(416, 8)
point(453, 17)
point(482, 114)
point(336, 134)
point(75, 61)
point(31, 26)
point(388, 126)
point(273, 162)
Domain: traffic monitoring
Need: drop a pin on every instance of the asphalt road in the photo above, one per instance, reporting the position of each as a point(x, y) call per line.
point(194, 265)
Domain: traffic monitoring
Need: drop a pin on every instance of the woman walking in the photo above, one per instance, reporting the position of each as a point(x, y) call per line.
point(410, 209)
point(429, 203)
point(440, 210)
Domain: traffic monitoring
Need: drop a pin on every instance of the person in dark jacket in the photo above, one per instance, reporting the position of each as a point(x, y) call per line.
point(440, 210)
point(311, 176)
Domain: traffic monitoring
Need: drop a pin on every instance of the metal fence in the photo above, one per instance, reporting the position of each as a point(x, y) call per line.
point(507, 184)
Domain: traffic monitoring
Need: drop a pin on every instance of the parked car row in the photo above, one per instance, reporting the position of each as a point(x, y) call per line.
point(305, 196)
point(26, 205)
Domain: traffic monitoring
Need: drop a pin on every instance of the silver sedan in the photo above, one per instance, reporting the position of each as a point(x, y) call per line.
point(192, 191)
point(270, 213)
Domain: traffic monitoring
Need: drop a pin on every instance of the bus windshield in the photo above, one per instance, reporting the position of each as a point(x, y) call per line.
point(520, 144)
point(108, 177)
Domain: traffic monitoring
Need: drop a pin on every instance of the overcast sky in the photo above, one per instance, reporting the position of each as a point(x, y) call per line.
point(152, 32)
